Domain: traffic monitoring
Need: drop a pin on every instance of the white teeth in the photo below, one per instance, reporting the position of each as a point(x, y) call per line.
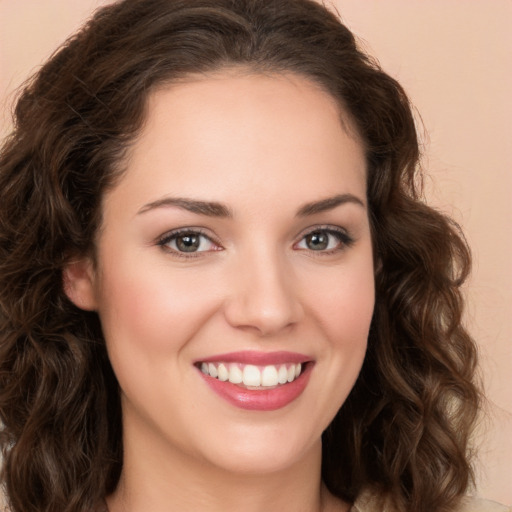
point(282, 375)
point(235, 374)
point(212, 370)
point(223, 372)
point(269, 376)
point(251, 375)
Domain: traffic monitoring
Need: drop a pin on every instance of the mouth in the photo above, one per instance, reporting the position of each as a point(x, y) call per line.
point(253, 377)
point(257, 381)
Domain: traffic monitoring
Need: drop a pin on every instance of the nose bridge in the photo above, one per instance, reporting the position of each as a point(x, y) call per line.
point(264, 297)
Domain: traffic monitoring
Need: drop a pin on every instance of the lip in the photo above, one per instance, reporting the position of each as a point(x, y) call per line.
point(264, 399)
point(257, 358)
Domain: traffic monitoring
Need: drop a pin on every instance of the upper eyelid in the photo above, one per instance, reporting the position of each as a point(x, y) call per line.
point(323, 227)
point(175, 232)
point(345, 238)
point(169, 235)
point(164, 240)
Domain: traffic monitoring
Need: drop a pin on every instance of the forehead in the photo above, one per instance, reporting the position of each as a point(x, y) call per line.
point(237, 88)
point(244, 132)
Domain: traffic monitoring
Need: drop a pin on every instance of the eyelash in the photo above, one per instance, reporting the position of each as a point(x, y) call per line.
point(343, 238)
point(173, 235)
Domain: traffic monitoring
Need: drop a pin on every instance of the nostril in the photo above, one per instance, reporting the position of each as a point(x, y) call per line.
point(263, 300)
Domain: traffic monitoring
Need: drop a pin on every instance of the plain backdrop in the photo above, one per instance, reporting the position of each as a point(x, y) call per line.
point(454, 59)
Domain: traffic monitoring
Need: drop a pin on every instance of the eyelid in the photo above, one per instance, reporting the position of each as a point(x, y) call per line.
point(167, 237)
point(346, 240)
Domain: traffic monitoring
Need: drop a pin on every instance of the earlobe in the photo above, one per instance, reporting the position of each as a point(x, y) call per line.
point(78, 283)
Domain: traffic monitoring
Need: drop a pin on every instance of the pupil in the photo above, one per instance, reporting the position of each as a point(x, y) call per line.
point(317, 241)
point(187, 243)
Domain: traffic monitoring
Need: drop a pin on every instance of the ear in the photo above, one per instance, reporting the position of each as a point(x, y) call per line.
point(78, 280)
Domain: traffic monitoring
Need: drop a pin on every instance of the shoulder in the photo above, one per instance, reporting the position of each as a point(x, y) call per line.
point(373, 502)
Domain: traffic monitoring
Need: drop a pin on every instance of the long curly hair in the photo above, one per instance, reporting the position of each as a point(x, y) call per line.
point(404, 429)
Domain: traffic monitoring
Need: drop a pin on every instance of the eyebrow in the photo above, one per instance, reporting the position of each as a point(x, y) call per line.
point(215, 209)
point(209, 208)
point(328, 204)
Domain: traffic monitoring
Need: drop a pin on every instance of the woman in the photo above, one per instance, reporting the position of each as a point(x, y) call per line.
point(220, 288)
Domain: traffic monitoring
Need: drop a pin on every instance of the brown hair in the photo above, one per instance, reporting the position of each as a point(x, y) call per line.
point(405, 426)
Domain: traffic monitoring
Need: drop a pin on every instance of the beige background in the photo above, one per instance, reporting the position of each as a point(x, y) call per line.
point(454, 58)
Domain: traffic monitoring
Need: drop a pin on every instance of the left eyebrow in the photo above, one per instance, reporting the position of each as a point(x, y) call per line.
point(328, 204)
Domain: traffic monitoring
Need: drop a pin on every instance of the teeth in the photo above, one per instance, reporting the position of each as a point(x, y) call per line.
point(269, 376)
point(282, 375)
point(235, 374)
point(253, 376)
point(223, 372)
point(212, 370)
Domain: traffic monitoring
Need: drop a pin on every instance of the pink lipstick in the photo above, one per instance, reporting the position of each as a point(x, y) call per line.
point(262, 381)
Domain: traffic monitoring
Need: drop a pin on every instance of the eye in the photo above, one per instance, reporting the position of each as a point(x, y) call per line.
point(188, 241)
point(325, 240)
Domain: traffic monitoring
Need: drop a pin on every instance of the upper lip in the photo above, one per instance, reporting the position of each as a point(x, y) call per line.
point(257, 358)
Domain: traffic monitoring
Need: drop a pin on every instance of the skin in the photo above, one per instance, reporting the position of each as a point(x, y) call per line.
point(263, 146)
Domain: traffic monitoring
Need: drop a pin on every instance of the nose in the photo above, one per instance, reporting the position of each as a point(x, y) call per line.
point(263, 295)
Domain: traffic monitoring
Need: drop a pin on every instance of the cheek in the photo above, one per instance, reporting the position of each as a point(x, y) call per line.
point(344, 301)
point(148, 309)
point(342, 306)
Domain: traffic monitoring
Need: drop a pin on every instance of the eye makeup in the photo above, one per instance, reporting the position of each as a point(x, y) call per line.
point(325, 240)
point(189, 242)
point(194, 242)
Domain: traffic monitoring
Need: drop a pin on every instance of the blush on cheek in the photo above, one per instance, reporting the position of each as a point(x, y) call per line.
point(149, 311)
point(349, 310)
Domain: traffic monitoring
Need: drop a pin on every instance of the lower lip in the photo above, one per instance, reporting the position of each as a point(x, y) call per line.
point(260, 400)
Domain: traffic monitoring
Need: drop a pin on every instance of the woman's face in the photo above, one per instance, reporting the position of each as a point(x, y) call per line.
point(237, 243)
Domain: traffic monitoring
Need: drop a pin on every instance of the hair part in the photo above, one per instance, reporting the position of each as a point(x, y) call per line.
point(405, 426)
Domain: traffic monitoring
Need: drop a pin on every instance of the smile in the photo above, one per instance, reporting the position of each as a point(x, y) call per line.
point(257, 381)
point(252, 376)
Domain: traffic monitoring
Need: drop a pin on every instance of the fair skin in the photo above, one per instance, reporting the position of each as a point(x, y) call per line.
point(281, 264)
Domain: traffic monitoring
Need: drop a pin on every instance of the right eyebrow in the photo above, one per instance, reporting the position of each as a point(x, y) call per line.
point(209, 208)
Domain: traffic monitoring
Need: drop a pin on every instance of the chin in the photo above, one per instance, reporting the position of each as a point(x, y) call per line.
point(263, 453)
